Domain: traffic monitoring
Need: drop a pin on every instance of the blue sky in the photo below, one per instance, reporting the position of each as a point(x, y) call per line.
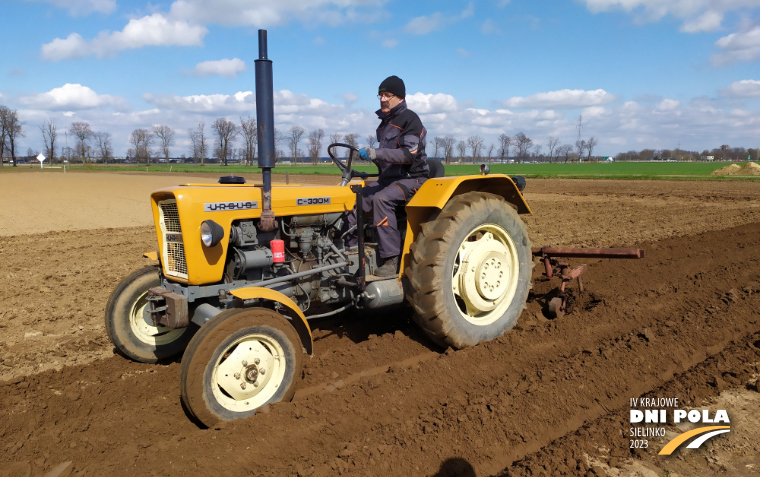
point(642, 73)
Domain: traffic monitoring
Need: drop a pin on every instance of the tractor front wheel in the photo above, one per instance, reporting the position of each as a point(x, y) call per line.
point(239, 361)
point(470, 271)
point(130, 328)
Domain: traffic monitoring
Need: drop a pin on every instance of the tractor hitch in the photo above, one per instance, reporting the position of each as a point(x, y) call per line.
point(563, 270)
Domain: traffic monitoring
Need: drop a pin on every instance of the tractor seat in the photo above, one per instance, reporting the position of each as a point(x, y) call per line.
point(436, 168)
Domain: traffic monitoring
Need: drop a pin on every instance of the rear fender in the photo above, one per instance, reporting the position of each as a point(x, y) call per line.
point(436, 192)
point(299, 321)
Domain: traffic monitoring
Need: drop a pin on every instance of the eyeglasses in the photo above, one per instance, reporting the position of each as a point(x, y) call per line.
point(386, 95)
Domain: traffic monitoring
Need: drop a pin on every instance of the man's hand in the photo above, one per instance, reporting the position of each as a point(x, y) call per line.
point(367, 153)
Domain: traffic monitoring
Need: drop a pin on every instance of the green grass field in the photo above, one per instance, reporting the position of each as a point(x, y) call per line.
point(614, 170)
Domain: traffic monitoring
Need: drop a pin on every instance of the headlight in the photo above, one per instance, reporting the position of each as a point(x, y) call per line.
point(211, 233)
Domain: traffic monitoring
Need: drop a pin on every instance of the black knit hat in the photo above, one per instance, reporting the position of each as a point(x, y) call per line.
point(393, 85)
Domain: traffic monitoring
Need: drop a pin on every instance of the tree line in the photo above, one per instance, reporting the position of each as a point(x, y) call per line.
point(721, 153)
point(219, 142)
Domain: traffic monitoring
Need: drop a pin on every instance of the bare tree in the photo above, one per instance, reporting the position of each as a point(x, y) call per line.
point(504, 143)
point(462, 148)
point(49, 135)
point(552, 144)
point(248, 128)
point(104, 146)
point(198, 139)
point(565, 150)
point(226, 131)
point(165, 135)
point(315, 145)
point(580, 146)
point(278, 137)
point(537, 151)
point(437, 145)
point(523, 144)
point(4, 112)
point(371, 140)
point(141, 139)
point(352, 139)
point(448, 148)
point(590, 145)
point(295, 137)
point(83, 132)
point(490, 151)
point(13, 130)
point(476, 144)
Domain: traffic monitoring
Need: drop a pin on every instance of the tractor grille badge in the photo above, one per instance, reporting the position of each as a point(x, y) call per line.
point(225, 206)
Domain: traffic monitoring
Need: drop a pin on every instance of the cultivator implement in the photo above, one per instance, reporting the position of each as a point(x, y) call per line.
point(555, 268)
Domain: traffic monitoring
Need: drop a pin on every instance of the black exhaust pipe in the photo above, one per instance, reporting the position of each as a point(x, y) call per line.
point(265, 132)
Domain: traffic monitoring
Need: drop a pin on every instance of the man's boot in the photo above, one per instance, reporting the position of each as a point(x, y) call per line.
point(389, 268)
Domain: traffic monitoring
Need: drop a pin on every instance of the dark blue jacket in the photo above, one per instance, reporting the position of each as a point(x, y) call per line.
point(401, 149)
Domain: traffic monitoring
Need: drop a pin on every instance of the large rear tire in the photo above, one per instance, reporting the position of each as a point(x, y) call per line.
point(239, 361)
point(470, 271)
point(128, 328)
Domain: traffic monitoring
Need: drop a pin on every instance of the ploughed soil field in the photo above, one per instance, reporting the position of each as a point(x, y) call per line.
point(551, 397)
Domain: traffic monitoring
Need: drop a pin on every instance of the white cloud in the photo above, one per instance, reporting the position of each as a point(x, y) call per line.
point(152, 30)
point(432, 103)
point(668, 105)
point(390, 43)
point(425, 24)
point(742, 89)
point(265, 13)
point(225, 67)
point(463, 52)
point(697, 15)
point(72, 96)
point(708, 21)
point(84, 7)
point(742, 46)
point(594, 112)
point(240, 102)
point(488, 27)
point(437, 21)
point(566, 98)
point(350, 98)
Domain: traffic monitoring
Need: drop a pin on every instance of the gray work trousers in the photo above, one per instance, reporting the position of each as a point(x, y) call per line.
point(382, 198)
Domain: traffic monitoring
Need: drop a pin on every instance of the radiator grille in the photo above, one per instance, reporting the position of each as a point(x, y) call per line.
point(175, 264)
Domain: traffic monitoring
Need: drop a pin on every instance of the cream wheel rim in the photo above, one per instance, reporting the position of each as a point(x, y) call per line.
point(485, 274)
point(142, 326)
point(248, 373)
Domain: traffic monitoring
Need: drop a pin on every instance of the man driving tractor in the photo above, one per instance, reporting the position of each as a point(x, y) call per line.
point(402, 161)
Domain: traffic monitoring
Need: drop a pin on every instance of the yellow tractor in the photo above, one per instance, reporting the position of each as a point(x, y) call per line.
point(240, 266)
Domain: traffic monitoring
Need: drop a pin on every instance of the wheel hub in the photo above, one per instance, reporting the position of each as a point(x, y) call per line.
point(485, 279)
point(489, 277)
point(251, 373)
point(248, 364)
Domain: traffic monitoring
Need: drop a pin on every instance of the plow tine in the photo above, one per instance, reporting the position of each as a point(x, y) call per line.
point(632, 253)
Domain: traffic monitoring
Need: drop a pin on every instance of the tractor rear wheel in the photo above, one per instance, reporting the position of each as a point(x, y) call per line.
point(130, 329)
point(470, 271)
point(239, 361)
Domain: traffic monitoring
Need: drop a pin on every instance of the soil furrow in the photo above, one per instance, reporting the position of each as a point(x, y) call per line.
point(492, 404)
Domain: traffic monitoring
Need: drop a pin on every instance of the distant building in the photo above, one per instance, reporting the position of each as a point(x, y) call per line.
point(708, 158)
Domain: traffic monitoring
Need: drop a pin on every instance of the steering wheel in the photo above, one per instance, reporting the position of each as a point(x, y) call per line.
point(345, 168)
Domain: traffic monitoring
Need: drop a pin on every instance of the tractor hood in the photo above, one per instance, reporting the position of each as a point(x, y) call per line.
point(179, 211)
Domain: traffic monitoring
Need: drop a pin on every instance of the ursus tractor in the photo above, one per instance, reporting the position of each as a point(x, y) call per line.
point(241, 267)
